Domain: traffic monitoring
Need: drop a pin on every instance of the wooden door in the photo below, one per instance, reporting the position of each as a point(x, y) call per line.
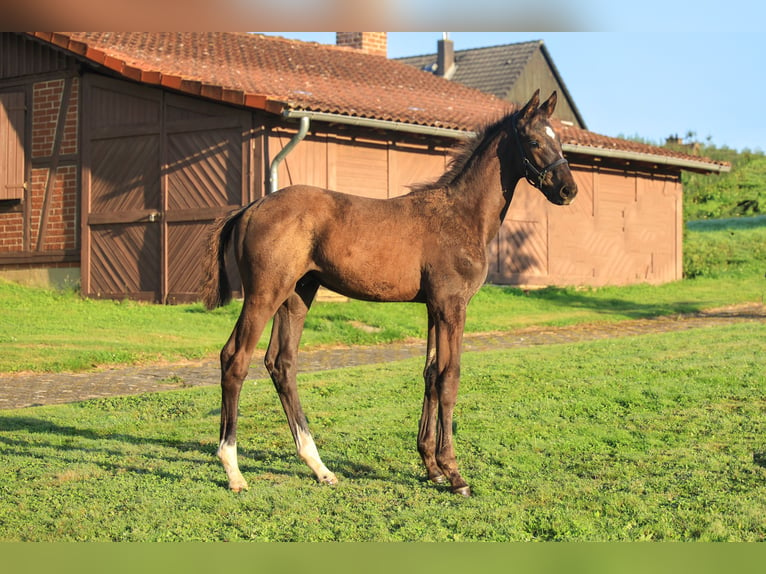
point(122, 203)
point(205, 176)
point(158, 169)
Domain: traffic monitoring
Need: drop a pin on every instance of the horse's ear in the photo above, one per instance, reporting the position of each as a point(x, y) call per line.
point(531, 105)
point(549, 105)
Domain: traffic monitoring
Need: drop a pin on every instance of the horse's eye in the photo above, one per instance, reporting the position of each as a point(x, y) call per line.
point(534, 143)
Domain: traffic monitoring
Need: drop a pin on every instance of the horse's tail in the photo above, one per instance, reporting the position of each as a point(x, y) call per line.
point(216, 289)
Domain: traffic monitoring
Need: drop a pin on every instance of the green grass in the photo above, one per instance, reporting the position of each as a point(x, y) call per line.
point(726, 247)
point(741, 192)
point(44, 330)
point(654, 437)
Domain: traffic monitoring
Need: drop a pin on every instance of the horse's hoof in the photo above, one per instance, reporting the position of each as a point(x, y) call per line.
point(463, 491)
point(438, 479)
point(329, 478)
point(238, 486)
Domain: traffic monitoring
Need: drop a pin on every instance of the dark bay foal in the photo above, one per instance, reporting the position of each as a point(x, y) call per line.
point(429, 246)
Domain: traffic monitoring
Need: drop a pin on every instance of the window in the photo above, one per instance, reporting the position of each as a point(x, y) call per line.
point(12, 111)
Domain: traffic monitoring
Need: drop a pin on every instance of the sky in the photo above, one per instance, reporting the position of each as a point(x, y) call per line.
point(650, 84)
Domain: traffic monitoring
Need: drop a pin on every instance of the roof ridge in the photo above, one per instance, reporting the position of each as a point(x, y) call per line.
point(475, 49)
point(535, 42)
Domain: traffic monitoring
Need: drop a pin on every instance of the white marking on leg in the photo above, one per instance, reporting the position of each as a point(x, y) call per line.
point(308, 452)
point(227, 454)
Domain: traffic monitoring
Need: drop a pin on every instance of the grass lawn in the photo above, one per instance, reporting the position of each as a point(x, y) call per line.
point(654, 437)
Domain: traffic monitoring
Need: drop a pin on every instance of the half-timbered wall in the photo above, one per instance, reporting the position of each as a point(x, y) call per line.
point(39, 161)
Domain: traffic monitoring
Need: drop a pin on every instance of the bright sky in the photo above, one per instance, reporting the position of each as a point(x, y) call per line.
point(667, 79)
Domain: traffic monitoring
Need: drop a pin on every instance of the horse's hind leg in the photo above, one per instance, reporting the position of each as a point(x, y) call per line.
point(235, 362)
point(281, 364)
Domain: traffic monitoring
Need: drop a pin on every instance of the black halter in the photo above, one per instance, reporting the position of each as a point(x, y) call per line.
point(533, 175)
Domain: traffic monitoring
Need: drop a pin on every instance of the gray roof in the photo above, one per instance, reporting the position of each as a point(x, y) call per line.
point(495, 69)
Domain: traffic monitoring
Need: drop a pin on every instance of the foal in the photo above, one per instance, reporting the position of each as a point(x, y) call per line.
point(429, 246)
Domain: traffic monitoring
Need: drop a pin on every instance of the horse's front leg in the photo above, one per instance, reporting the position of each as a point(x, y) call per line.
point(428, 420)
point(449, 342)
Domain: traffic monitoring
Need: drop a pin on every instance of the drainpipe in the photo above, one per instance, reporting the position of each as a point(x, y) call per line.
point(297, 138)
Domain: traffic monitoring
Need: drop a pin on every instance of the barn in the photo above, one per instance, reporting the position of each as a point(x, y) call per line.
point(119, 149)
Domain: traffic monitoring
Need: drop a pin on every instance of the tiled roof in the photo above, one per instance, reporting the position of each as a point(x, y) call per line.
point(275, 74)
point(494, 69)
point(478, 67)
point(574, 139)
point(278, 75)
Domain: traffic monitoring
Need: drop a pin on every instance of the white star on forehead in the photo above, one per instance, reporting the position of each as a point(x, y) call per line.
point(550, 132)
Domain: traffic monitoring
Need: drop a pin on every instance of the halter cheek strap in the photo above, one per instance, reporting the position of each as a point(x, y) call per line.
point(533, 175)
point(539, 174)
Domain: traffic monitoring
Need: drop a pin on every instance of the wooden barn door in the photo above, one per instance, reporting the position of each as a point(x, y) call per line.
point(122, 203)
point(157, 170)
point(205, 176)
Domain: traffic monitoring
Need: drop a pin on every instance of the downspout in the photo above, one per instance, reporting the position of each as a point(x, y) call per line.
point(297, 138)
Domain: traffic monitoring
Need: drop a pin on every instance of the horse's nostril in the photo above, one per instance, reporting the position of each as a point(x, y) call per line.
point(565, 193)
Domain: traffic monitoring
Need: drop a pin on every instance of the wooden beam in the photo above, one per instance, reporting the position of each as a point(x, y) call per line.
point(66, 94)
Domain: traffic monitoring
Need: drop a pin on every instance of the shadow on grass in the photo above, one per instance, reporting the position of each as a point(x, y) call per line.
point(252, 461)
point(759, 458)
point(573, 298)
point(728, 223)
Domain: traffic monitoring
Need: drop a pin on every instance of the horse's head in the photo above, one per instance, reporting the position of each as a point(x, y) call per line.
point(540, 151)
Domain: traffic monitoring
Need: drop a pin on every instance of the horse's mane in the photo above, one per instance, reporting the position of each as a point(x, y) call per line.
point(462, 154)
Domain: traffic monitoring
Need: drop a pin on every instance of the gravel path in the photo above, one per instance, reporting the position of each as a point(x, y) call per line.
point(25, 390)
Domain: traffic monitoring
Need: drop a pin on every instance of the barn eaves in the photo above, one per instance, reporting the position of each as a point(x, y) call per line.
point(685, 163)
point(373, 123)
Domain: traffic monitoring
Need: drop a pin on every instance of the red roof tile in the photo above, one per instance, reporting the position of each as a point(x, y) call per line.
point(276, 74)
point(288, 73)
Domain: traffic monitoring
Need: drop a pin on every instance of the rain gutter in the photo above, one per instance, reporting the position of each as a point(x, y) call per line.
point(387, 125)
point(690, 164)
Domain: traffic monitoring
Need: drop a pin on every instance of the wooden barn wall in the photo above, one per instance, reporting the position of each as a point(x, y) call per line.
point(351, 161)
point(40, 88)
point(623, 228)
point(20, 56)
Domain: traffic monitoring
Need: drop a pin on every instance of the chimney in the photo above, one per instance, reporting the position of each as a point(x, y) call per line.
point(445, 57)
point(368, 42)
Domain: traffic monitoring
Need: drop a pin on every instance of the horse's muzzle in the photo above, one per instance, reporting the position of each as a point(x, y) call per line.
point(567, 194)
